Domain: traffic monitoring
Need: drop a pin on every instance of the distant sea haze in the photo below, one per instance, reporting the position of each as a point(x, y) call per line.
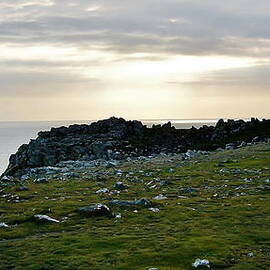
point(14, 134)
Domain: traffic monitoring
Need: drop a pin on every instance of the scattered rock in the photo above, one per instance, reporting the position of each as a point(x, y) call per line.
point(3, 225)
point(22, 188)
point(140, 202)
point(230, 146)
point(25, 177)
point(160, 197)
point(191, 154)
point(102, 190)
point(95, 210)
point(155, 210)
point(41, 180)
point(201, 263)
point(190, 190)
point(45, 219)
point(120, 186)
point(6, 179)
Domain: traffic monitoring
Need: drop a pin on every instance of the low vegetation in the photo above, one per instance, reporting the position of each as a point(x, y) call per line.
point(216, 208)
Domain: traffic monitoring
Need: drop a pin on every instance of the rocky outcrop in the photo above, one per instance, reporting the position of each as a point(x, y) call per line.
point(117, 139)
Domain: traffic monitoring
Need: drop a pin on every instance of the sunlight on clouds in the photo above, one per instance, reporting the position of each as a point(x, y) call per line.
point(93, 8)
point(51, 53)
point(181, 68)
point(130, 68)
point(24, 4)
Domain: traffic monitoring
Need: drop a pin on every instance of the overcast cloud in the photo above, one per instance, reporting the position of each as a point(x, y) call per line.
point(104, 48)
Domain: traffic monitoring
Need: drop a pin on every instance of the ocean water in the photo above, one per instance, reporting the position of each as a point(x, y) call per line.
point(14, 134)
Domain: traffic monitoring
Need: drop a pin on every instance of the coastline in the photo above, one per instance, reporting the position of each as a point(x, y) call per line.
point(15, 133)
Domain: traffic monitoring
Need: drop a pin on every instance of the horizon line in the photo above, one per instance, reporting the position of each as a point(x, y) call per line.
point(140, 119)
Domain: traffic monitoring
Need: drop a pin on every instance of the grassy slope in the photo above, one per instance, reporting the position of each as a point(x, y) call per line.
point(215, 223)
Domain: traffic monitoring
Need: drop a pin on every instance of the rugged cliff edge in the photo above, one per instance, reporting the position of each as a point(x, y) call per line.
point(117, 139)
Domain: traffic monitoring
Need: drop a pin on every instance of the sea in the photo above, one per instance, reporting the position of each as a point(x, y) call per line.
point(14, 134)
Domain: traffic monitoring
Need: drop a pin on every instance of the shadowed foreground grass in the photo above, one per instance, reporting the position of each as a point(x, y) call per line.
point(224, 219)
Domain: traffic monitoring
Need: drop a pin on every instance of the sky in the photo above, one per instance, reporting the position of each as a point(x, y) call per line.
point(143, 59)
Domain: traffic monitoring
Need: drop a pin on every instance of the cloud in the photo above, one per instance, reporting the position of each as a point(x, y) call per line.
point(54, 47)
point(198, 28)
point(18, 4)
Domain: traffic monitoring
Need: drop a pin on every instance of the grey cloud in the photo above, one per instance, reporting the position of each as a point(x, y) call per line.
point(252, 81)
point(203, 28)
point(37, 84)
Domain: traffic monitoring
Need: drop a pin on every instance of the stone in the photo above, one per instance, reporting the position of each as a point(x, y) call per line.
point(6, 179)
point(96, 210)
point(201, 263)
point(120, 186)
point(102, 190)
point(140, 202)
point(25, 177)
point(191, 154)
point(160, 197)
point(155, 210)
point(41, 180)
point(112, 164)
point(119, 172)
point(3, 225)
point(242, 144)
point(256, 140)
point(22, 188)
point(230, 146)
point(45, 219)
point(190, 190)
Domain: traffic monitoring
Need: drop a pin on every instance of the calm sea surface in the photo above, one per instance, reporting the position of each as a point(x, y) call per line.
point(14, 134)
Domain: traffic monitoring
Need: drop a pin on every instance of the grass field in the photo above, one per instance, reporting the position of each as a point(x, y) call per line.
point(217, 208)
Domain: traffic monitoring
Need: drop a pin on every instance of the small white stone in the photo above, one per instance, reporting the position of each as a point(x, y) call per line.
point(154, 210)
point(46, 218)
point(3, 225)
point(102, 190)
point(200, 262)
point(160, 197)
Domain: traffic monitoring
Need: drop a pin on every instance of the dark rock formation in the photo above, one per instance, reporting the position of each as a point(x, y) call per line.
point(116, 139)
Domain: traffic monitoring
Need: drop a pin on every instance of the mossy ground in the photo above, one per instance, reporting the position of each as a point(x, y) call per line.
point(224, 221)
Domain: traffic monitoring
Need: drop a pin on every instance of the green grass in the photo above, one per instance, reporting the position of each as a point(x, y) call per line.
point(223, 221)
